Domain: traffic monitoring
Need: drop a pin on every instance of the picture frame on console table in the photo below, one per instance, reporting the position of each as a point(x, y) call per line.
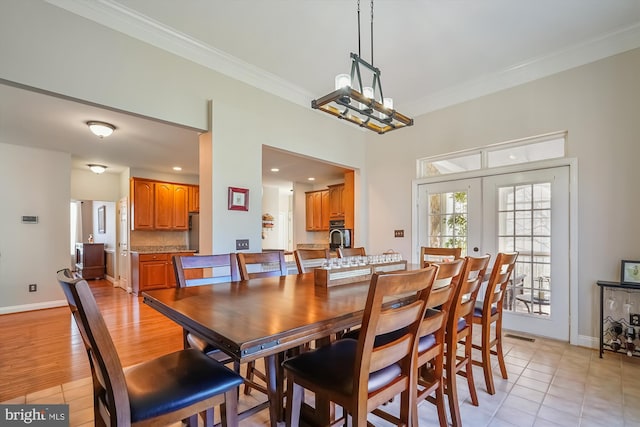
point(630, 273)
point(238, 199)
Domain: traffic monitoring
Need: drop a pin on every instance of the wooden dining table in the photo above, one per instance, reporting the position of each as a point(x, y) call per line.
point(262, 318)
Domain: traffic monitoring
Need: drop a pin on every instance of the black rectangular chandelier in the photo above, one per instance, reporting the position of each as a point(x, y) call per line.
point(362, 105)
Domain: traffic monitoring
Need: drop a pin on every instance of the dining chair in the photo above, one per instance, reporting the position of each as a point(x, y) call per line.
point(433, 254)
point(358, 375)
point(161, 391)
point(459, 333)
point(489, 311)
point(254, 266)
point(345, 252)
point(431, 345)
point(261, 264)
point(308, 259)
point(197, 270)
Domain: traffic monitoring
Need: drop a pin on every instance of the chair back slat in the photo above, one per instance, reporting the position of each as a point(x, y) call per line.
point(196, 270)
point(432, 254)
point(345, 252)
point(261, 264)
point(105, 363)
point(499, 280)
point(471, 277)
point(308, 259)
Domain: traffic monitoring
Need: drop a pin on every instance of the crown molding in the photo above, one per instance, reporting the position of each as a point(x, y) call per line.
point(530, 70)
point(118, 17)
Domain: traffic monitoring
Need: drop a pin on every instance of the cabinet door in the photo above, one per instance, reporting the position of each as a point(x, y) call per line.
point(194, 198)
point(153, 274)
point(317, 211)
point(180, 220)
point(163, 206)
point(142, 206)
point(336, 202)
point(324, 209)
point(309, 211)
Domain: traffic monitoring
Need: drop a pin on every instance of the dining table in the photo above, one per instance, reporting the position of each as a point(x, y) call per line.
point(265, 317)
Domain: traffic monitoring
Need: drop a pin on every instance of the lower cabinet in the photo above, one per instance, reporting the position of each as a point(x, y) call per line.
point(153, 271)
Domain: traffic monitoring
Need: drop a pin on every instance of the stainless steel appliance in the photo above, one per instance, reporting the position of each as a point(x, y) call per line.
point(339, 237)
point(193, 237)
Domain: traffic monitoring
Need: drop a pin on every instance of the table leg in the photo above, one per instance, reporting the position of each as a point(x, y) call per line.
point(275, 378)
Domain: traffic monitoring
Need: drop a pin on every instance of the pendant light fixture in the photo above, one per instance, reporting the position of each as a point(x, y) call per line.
point(362, 105)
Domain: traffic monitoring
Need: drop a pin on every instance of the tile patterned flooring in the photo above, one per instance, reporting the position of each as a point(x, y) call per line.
point(550, 384)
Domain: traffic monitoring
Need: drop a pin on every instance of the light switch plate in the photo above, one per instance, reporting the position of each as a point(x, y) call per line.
point(242, 245)
point(398, 233)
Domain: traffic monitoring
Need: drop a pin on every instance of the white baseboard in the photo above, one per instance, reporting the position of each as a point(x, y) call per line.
point(31, 307)
point(587, 341)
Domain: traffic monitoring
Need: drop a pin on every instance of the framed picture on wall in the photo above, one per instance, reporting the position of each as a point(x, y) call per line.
point(238, 199)
point(101, 220)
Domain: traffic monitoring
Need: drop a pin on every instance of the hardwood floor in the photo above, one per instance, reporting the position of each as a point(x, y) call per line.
point(41, 349)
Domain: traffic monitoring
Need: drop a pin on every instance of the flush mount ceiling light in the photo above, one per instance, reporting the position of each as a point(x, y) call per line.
point(101, 129)
point(364, 106)
point(97, 168)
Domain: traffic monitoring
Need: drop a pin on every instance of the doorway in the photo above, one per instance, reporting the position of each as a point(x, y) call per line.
point(527, 211)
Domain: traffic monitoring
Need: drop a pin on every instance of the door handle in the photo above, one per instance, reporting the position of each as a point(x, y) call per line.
point(475, 249)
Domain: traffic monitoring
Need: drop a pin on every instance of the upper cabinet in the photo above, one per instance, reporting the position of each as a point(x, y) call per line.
point(159, 205)
point(317, 210)
point(336, 201)
point(194, 198)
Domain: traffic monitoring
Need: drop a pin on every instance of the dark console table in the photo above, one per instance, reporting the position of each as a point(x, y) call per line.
point(624, 322)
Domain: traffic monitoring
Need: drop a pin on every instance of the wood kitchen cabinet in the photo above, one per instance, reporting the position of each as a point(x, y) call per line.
point(317, 210)
point(336, 201)
point(155, 271)
point(194, 198)
point(159, 205)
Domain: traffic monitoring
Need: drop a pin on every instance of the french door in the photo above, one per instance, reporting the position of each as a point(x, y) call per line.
point(525, 211)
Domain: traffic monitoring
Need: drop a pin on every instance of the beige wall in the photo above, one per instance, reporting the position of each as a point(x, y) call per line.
point(597, 104)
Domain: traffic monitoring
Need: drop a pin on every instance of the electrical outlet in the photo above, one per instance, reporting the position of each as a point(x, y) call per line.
point(398, 233)
point(242, 244)
point(33, 287)
point(634, 319)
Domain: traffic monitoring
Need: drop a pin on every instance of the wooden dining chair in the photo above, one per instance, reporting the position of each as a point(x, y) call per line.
point(431, 346)
point(489, 311)
point(261, 264)
point(254, 266)
point(160, 391)
point(308, 259)
point(433, 254)
point(196, 270)
point(460, 333)
point(345, 252)
point(358, 375)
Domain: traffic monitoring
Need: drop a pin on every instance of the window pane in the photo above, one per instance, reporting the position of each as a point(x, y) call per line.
point(531, 152)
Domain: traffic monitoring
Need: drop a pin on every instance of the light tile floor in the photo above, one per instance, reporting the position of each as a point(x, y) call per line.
point(550, 384)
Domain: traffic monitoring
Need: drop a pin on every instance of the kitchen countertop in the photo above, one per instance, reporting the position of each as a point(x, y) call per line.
point(160, 249)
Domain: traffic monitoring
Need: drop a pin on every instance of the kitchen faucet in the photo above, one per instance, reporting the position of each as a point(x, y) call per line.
point(341, 236)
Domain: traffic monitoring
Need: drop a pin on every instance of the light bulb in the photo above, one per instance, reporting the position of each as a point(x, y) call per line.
point(342, 80)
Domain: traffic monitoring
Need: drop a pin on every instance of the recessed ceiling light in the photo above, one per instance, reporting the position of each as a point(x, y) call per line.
point(275, 170)
point(311, 178)
point(177, 168)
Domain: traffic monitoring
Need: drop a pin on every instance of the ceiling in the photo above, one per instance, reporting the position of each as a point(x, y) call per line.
point(432, 54)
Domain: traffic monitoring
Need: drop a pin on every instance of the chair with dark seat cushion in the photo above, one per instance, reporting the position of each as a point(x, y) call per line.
point(196, 270)
point(308, 259)
point(489, 311)
point(431, 345)
point(357, 374)
point(345, 252)
point(460, 333)
point(254, 266)
point(433, 254)
point(161, 391)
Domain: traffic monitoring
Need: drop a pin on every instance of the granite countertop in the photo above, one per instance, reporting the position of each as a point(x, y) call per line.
point(159, 249)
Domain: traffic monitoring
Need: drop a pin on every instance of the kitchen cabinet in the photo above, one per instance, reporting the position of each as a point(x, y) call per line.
point(159, 205)
point(317, 210)
point(155, 271)
point(336, 201)
point(90, 260)
point(194, 198)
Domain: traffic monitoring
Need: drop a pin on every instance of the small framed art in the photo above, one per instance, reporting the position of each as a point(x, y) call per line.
point(238, 199)
point(630, 272)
